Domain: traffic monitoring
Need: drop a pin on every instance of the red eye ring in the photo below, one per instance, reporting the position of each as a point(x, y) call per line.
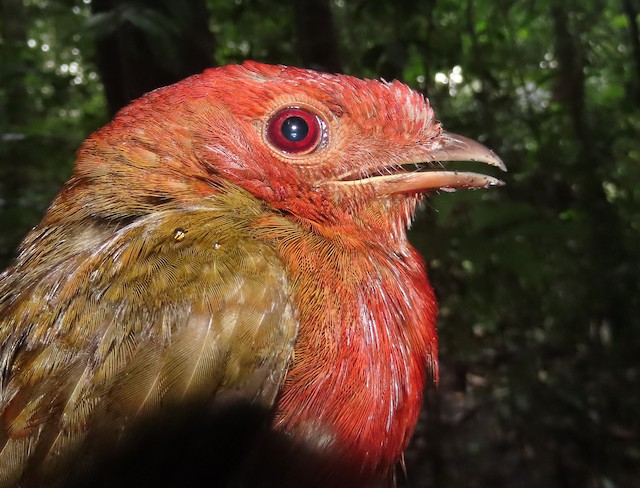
point(294, 130)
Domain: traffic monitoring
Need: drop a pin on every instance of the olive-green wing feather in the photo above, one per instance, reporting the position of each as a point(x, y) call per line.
point(179, 307)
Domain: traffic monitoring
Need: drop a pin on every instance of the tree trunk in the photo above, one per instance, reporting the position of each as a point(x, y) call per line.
point(634, 36)
point(317, 40)
point(149, 44)
point(612, 287)
point(17, 106)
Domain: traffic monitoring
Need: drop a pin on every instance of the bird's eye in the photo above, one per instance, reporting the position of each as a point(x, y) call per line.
point(294, 130)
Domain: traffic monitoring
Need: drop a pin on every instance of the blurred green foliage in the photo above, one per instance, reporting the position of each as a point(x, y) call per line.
point(538, 281)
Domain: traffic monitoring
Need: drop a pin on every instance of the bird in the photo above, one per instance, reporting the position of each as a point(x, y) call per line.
point(230, 259)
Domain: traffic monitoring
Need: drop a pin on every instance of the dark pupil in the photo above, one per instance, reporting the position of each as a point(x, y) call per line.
point(295, 129)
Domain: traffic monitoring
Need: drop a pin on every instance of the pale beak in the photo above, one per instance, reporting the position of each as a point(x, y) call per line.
point(459, 148)
point(452, 147)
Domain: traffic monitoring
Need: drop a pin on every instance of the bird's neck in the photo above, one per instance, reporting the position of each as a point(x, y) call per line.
point(366, 339)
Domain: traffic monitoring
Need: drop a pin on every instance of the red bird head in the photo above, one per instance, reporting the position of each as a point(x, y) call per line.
point(319, 146)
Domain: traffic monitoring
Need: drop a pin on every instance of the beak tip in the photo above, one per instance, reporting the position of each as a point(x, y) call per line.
point(489, 157)
point(491, 182)
point(499, 163)
point(462, 148)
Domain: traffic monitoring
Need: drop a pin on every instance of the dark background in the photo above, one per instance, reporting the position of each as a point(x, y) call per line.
point(538, 281)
